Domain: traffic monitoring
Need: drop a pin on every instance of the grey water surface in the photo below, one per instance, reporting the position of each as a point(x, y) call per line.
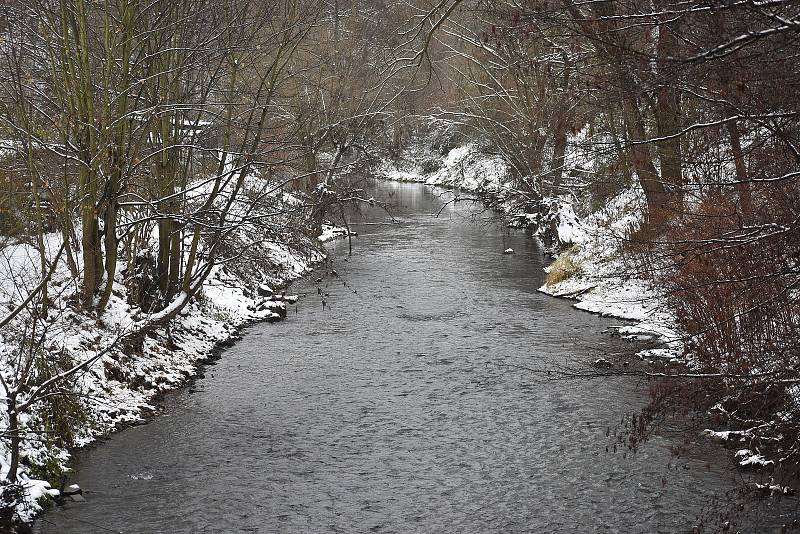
point(412, 403)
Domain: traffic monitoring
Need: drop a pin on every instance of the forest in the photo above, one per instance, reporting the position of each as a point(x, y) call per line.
point(168, 168)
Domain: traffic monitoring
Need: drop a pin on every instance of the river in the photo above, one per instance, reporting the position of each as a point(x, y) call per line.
point(410, 403)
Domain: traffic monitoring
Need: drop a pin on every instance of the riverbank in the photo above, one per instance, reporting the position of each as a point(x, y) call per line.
point(595, 271)
point(119, 388)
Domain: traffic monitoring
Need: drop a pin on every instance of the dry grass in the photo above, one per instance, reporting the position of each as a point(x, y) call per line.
point(564, 267)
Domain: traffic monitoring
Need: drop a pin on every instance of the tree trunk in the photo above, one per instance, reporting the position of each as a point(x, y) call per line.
point(67, 225)
point(654, 190)
point(164, 255)
point(90, 240)
point(742, 180)
point(560, 132)
point(15, 441)
point(117, 162)
point(111, 244)
point(600, 31)
point(90, 248)
point(168, 242)
point(559, 154)
point(728, 90)
point(667, 113)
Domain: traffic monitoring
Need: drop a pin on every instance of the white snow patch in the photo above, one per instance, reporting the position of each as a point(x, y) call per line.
point(749, 458)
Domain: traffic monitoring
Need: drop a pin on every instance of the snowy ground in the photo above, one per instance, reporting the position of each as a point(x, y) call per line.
point(119, 388)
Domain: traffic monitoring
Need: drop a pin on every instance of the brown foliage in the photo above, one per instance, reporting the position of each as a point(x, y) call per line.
point(735, 291)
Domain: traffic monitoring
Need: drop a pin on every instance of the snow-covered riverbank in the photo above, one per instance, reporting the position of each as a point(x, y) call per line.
point(594, 271)
point(120, 387)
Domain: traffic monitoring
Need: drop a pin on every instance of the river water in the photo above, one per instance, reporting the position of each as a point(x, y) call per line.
point(410, 403)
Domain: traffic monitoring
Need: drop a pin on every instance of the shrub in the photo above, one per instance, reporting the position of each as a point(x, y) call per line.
point(734, 289)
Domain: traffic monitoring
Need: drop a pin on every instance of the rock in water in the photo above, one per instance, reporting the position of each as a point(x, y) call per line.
point(264, 290)
point(603, 363)
point(74, 492)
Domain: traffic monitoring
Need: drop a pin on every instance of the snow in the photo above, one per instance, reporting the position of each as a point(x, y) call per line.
point(331, 232)
point(265, 290)
point(569, 228)
point(749, 458)
point(467, 167)
point(725, 435)
point(774, 489)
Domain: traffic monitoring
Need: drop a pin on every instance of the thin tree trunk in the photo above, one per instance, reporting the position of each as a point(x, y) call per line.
point(116, 160)
point(14, 441)
point(90, 239)
point(560, 132)
point(559, 154)
point(742, 181)
point(67, 227)
point(654, 190)
point(600, 32)
point(728, 90)
point(667, 113)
